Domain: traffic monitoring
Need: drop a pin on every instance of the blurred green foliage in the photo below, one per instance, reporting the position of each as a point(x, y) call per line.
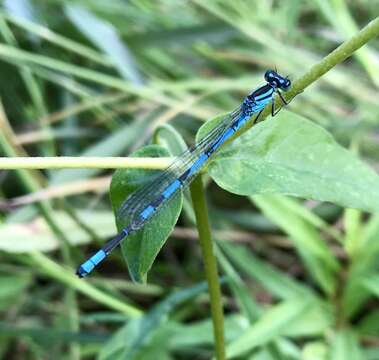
point(101, 78)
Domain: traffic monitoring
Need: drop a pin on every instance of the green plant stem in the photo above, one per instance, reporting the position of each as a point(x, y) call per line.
point(82, 162)
point(72, 320)
point(210, 264)
point(341, 53)
point(344, 23)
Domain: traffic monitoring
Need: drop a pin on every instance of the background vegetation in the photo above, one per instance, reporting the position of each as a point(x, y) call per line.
point(300, 278)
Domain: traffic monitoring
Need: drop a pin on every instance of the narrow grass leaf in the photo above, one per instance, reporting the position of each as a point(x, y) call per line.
point(368, 244)
point(22, 8)
point(271, 325)
point(48, 335)
point(47, 34)
point(315, 350)
point(318, 318)
point(200, 333)
point(134, 340)
point(364, 262)
point(248, 306)
point(12, 288)
point(316, 255)
point(273, 280)
point(371, 282)
point(369, 324)
point(105, 37)
point(281, 348)
point(345, 345)
point(36, 235)
point(352, 222)
point(112, 145)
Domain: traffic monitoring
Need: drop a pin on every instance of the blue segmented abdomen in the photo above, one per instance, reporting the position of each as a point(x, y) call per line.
point(148, 212)
point(171, 189)
point(89, 265)
point(198, 164)
point(228, 133)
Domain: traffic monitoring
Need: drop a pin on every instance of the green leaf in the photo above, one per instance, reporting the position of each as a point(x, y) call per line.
point(316, 255)
point(209, 126)
point(136, 338)
point(130, 343)
point(371, 282)
point(358, 289)
point(105, 37)
point(242, 294)
point(200, 333)
point(371, 353)
point(167, 136)
point(368, 243)
point(369, 324)
point(36, 235)
point(353, 228)
point(281, 349)
point(363, 264)
point(11, 289)
point(270, 278)
point(291, 155)
point(141, 248)
point(48, 335)
point(345, 345)
point(315, 351)
point(112, 145)
point(271, 325)
point(318, 318)
point(22, 9)
point(38, 30)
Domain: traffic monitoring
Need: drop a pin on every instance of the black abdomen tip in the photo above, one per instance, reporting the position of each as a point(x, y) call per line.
point(81, 272)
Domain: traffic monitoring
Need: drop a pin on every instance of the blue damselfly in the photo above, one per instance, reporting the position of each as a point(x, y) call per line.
point(141, 205)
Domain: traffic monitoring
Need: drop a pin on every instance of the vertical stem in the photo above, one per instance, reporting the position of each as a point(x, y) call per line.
point(210, 264)
point(72, 321)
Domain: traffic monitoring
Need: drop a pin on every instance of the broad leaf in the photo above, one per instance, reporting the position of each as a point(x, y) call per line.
point(167, 136)
point(141, 248)
point(293, 156)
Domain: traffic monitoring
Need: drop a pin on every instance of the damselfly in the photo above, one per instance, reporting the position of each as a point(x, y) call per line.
point(141, 205)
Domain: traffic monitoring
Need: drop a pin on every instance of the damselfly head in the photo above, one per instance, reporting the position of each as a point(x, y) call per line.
point(276, 80)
